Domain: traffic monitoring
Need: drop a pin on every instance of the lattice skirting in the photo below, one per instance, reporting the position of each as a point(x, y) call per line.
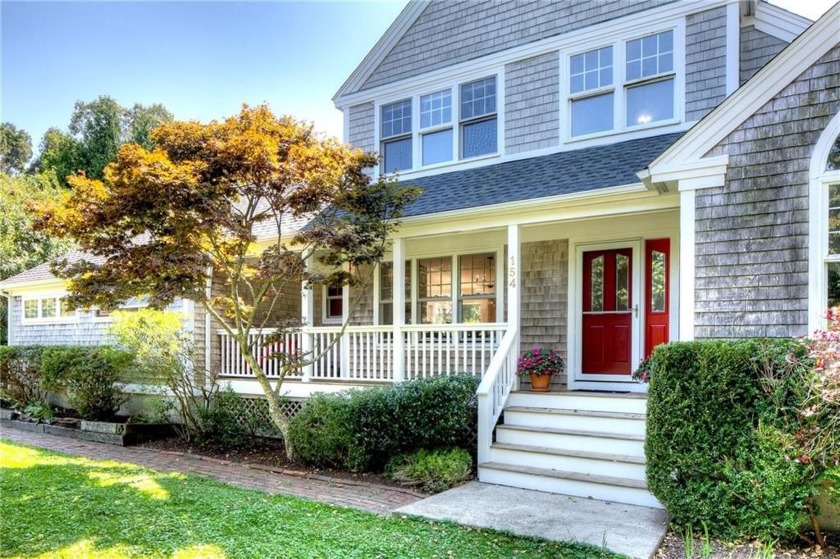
point(257, 408)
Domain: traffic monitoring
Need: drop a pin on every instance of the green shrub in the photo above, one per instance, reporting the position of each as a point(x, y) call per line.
point(320, 432)
point(220, 421)
point(361, 429)
point(431, 470)
point(719, 415)
point(88, 375)
point(20, 375)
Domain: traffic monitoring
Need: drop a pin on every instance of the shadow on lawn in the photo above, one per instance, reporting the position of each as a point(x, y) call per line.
point(59, 506)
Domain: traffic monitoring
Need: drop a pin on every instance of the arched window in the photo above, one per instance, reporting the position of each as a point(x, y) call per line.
point(824, 228)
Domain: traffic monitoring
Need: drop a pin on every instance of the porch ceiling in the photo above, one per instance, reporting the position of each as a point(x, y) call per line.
point(567, 172)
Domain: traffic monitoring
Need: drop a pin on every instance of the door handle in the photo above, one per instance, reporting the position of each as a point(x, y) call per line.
point(635, 311)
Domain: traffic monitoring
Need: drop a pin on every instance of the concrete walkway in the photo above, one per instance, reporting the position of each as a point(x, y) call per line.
point(633, 531)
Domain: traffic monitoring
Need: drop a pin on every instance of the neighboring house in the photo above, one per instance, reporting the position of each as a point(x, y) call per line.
point(598, 177)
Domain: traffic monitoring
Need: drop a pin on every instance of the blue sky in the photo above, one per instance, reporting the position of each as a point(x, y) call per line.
point(202, 60)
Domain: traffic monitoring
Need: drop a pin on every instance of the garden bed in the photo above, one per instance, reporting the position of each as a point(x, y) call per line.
point(121, 433)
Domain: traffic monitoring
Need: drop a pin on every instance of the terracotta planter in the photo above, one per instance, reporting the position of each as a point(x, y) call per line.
point(540, 383)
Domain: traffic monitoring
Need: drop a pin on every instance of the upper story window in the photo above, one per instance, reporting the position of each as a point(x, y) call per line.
point(459, 122)
point(650, 79)
point(590, 83)
point(636, 90)
point(436, 127)
point(479, 135)
point(396, 136)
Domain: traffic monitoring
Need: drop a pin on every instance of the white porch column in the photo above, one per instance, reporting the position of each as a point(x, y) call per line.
point(398, 251)
point(307, 309)
point(514, 287)
point(687, 227)
point(344, 342)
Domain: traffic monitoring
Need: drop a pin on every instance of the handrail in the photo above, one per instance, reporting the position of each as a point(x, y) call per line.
point(494, 389)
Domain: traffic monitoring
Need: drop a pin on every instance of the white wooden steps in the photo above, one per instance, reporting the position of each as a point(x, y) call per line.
point(585, 444)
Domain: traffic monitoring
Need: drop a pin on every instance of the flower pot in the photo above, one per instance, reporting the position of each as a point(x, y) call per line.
point(540, 383)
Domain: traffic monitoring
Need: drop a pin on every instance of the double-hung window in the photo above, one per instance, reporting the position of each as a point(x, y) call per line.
point(436, 127)
point(333, 304)
point(624, 85)
point(591, 86)
point(650, 79)
point(478, 118)
point(448, 289)
point(396, 136)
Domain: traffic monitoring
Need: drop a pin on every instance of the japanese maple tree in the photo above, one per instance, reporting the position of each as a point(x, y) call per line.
point(159, 221)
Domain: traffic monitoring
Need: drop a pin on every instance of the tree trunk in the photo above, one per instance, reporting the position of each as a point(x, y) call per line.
point(275, 411)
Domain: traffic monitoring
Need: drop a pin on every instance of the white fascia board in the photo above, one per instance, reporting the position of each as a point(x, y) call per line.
point(383, 46)
point(756, 92)
point(779, 22)
point(608, 201)
point(690, 175)
point(39, 286)
point(579, 39)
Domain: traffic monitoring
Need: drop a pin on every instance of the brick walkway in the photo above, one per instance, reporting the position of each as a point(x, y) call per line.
point(360, 495)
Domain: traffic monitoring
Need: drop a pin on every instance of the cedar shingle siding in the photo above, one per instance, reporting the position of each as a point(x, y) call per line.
point(532, 97)
point(752, 234)
point(705, 62)
point(757, 48)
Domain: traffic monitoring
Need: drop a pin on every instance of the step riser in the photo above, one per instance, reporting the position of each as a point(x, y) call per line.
point(576, 422)
point(562, 441)
point(573, 401)
point(576, 488)
point(624, 470)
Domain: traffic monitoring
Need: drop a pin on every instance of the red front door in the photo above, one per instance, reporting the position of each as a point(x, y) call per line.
point(607, 311)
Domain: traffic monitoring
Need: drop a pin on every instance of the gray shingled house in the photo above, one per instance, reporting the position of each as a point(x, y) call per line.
point(599, 178)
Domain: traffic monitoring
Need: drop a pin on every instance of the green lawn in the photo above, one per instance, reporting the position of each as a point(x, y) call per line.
point(55, 505)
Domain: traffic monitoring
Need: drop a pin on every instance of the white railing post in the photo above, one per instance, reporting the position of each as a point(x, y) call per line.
point(399, 309)
point(307, 307)
point(344, 342)
point(514, 283)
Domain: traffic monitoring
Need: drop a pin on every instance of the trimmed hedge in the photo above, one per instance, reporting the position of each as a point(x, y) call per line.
point(86, 373)
point(362, 429)
point(719, 416)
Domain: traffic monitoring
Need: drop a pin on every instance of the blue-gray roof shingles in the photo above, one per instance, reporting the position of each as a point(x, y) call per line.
point(566, 172)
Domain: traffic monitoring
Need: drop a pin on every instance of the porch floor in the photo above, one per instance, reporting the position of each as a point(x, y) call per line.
point(632, 530)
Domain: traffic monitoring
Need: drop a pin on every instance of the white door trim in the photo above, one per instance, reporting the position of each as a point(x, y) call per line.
point(576, 379)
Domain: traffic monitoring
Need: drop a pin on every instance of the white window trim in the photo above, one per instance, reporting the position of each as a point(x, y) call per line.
point(454, 86)
point(58, 319)
point(621, 84)
point(413, 272)
point(820, 179)
point(325, 318)
point(141, 304)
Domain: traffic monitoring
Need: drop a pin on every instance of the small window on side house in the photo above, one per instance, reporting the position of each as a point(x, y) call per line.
point(334, 304)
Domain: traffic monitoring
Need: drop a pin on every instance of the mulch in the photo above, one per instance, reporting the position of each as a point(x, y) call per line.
point(674, 547)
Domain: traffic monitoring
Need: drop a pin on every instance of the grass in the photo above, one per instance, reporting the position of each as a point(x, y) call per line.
point(55, 505)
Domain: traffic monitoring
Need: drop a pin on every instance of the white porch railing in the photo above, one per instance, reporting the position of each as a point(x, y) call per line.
point(494, 390)
point(366, 353)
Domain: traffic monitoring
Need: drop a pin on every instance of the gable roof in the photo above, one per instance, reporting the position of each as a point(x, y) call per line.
point(777, 74)
point(383, 46)
point(566, 172)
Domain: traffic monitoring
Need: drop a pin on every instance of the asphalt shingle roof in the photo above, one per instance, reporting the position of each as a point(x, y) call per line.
point(42, 272)
point(566, 172)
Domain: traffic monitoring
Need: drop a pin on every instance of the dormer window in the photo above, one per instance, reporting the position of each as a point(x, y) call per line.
point(650, 79)
point(643, 68)
point(478, 118)
point(396, 136)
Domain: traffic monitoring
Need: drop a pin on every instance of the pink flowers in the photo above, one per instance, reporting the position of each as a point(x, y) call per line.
point(540, 361)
